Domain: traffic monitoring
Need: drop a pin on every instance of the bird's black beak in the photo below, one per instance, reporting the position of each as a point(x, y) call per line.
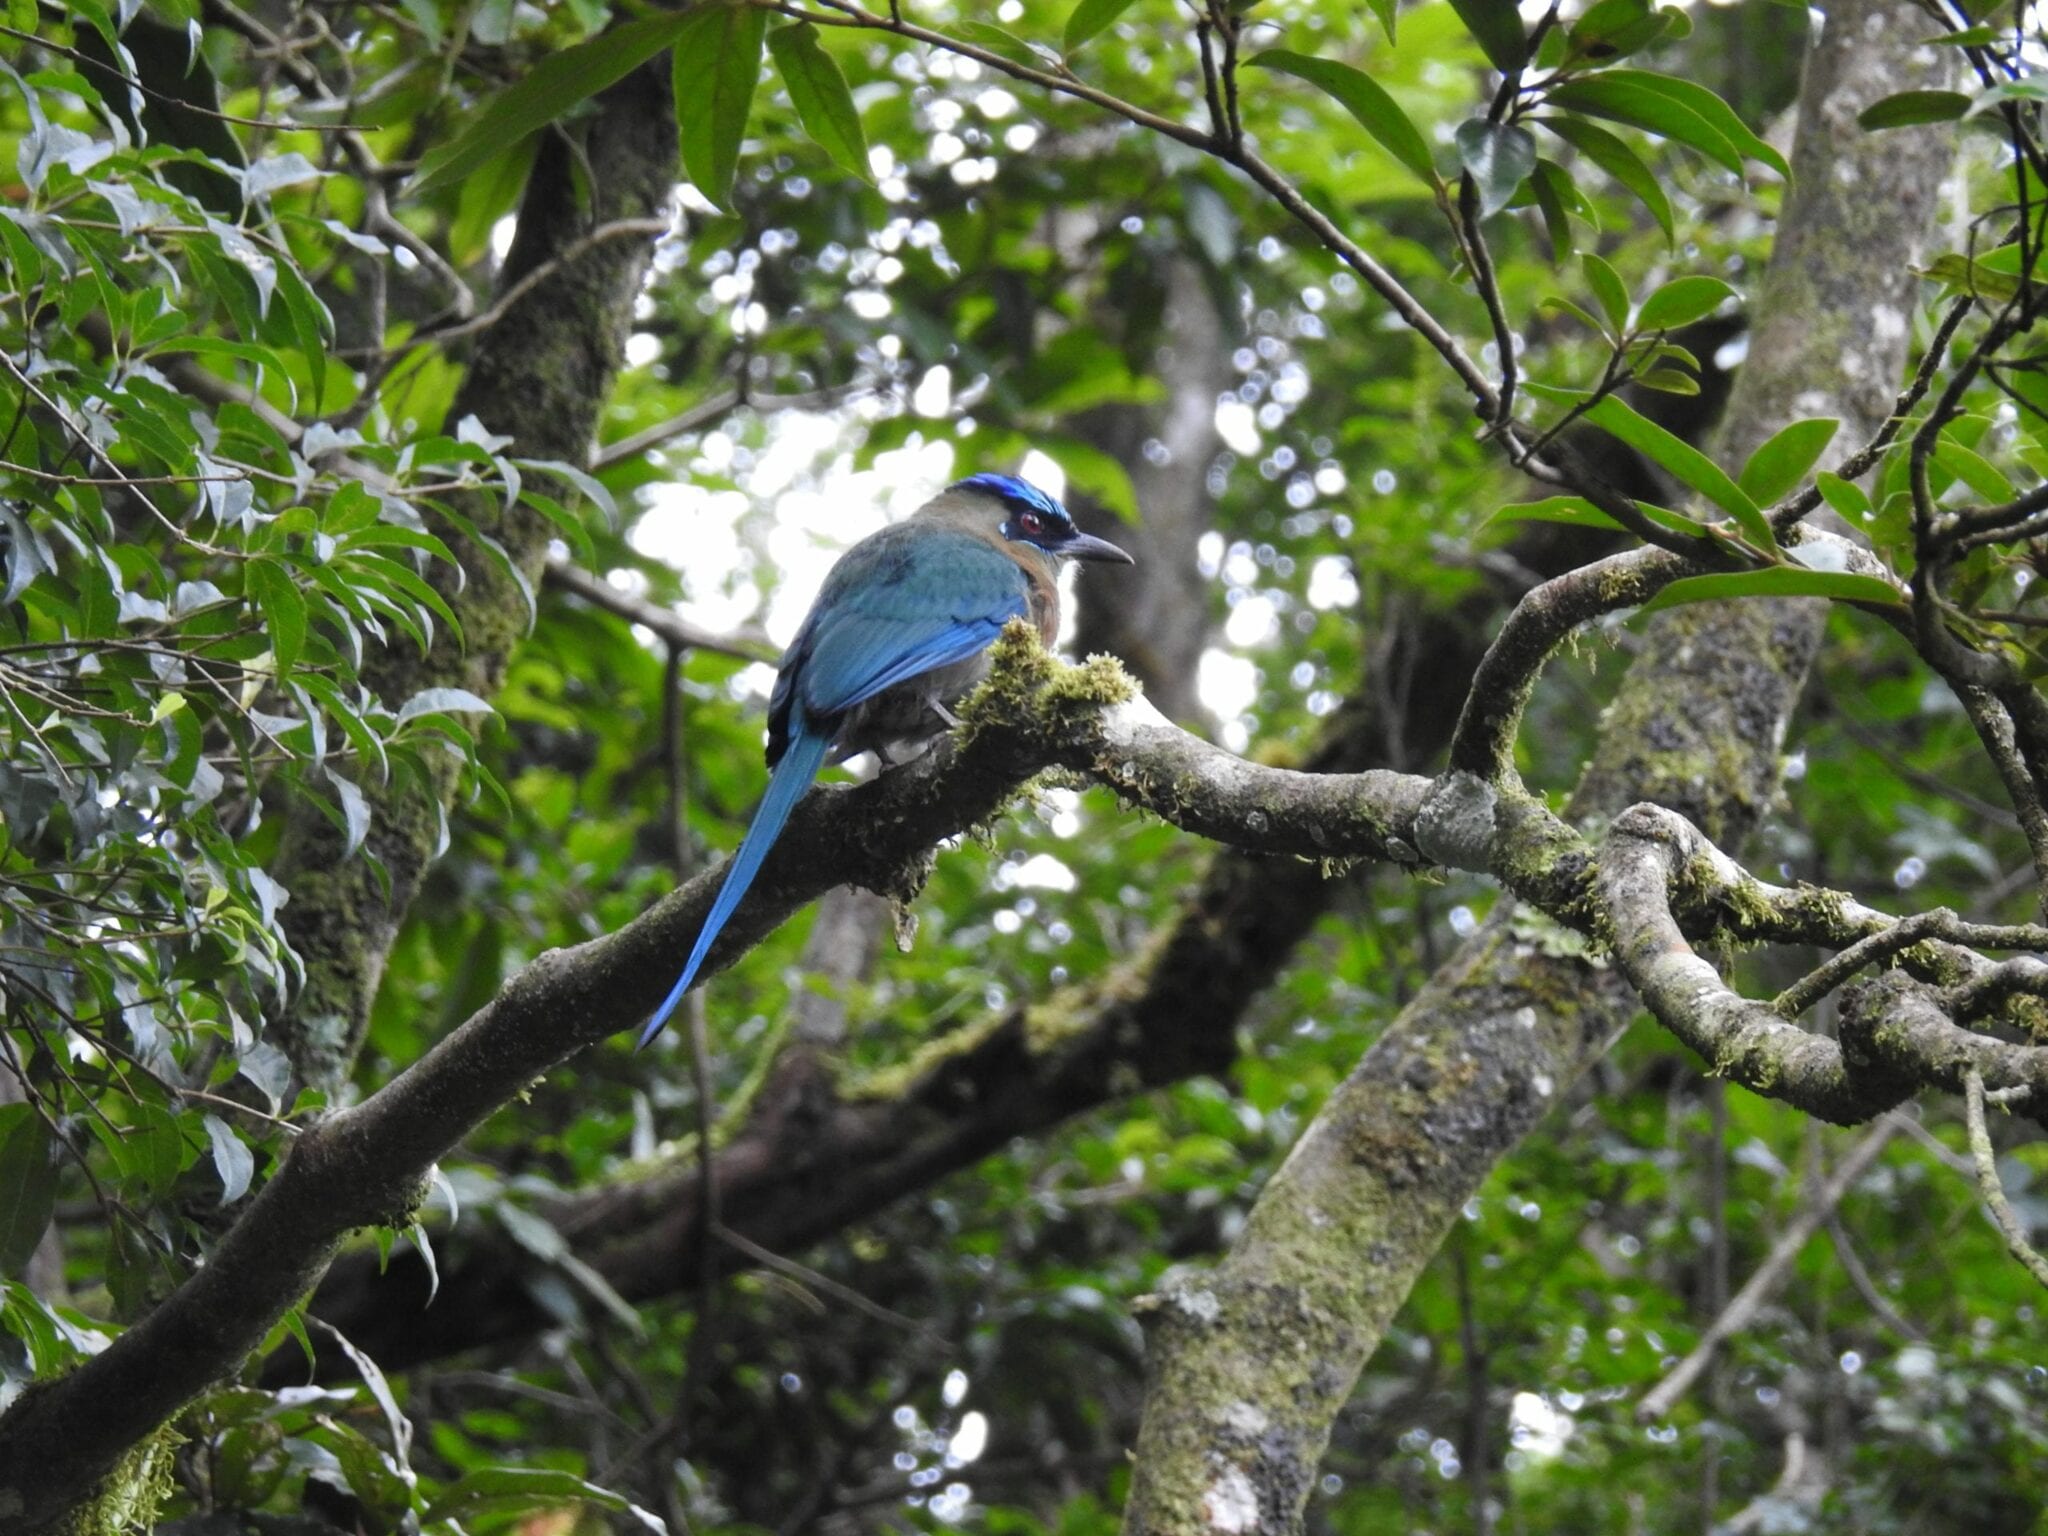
point(1085, 546)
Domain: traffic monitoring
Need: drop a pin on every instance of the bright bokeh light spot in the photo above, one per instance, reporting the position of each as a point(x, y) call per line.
point(1039, 872)
point(1237, 426)
point(1331, 584)
point(1045, 474)
point(501, 237)
point(1252, 622)
point(970, 1439)
point(1227, 684)
point(642, 348)
point(1064, 808)
point(1536, 1428)
point(934, 393)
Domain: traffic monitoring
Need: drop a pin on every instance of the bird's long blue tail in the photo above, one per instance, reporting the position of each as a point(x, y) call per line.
point(801, 760)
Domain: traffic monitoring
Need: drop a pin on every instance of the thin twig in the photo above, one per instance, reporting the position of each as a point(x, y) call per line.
point(1741, 1311)
point(676, 631)
point(1993, 1192)
point(803, 1274)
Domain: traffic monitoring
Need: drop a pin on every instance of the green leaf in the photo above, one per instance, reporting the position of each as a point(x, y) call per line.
point(1006, 44)
point(1711, 109)
point(1984, 478)
point(1657, 111)
point(1776, 581)
point(2032, 89)
point(1383, 10)
point(1496, 25)
point(1781, 463)
point(1959, 274)
point(1682, 301)
point(232, 1160)
point(1613, 29)
point(557, 83)
point(1618, 160)
point(717, 62)
point(1365, 99)
point(28, 1185)
point(823, 103)
point(283, 606)
point(1910, 108)
point(1670, 381)
point(1685, 463)
point(1576, 511)
point(1849, 500)
point(1565, 306)
point(1607, 288)
point(1548, 183)
point(1089, 18)
point(1573, 511)
point(511, 1490)
point(1498, 157)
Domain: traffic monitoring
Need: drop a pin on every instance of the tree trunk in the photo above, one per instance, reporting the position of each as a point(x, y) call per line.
point(1250, 1363)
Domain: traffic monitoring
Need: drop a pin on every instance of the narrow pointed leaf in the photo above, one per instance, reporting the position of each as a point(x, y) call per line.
point(1608, 288)
point(1496, 25)
point(1618, 160)
point(1780, 464)
point(555, 84)
point(1364, 98)
point(1910, 108)
point(1557, 224)
point(717, 63)
point(1656, 111)
point(1776, 581)
point(823, 102)
point(1089, 18)
point(28, 1185)
point(1686, 464)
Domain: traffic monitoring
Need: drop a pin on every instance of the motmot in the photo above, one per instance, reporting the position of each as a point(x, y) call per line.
point(899, 633)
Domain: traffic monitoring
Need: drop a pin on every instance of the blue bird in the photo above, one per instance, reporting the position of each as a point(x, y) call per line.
point(900, 631)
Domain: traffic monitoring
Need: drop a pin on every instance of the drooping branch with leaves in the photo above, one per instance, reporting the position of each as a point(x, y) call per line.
point(313, 637)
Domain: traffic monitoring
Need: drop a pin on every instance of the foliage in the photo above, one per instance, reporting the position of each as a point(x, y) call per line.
point(230, 488)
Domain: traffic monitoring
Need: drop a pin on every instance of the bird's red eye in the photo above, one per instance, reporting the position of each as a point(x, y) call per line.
point(1030, 523)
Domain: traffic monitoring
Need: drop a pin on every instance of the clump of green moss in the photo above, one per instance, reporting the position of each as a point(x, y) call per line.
point(1029, 689)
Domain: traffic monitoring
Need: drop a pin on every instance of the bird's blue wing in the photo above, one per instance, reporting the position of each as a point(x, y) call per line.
point(908, 606)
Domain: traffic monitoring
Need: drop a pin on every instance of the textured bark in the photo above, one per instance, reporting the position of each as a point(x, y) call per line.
point(1250, 1363)
point(540, 376)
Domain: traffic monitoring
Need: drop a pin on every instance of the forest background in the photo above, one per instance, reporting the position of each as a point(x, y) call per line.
point(424, 422)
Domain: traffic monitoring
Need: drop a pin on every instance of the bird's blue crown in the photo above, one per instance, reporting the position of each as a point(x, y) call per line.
point(1034, 516)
